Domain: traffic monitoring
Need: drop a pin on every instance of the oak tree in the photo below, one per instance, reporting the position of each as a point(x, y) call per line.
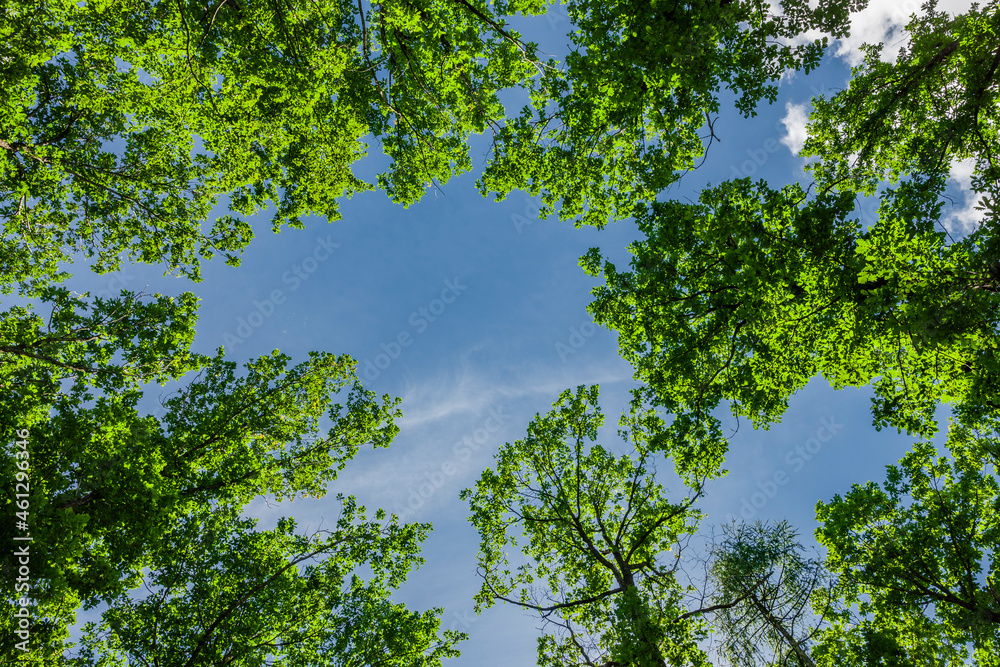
point(624, 115)
point(154, 130)
point(745, 296)
point(109, 485)
point(599, 543)
point(220, 592)
point(914, 556)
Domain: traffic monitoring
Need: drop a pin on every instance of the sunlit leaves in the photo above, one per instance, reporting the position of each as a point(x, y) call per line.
point(615, 124)
point(114, 490)
point(128, 127)
point(597, 536)
point(915, 555)
point(746, 296)
point(221, 592)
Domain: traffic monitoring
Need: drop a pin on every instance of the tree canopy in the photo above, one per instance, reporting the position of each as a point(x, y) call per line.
point(915, 556)
point(152, 131)
point(221, 592)
point(601, 543)
point(747, 295)
point(912, 119)
point(623, 118)
point(120, 498)
point(126, 126)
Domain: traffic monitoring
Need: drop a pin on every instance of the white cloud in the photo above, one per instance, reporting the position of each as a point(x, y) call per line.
point(436, 400)
point(967, 218)
point(470, 392)
point(794, 121)
point(882, 21)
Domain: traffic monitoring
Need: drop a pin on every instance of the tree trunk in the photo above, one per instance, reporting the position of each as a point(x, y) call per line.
point(803, 657)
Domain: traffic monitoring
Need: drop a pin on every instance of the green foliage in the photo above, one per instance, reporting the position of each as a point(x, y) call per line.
point(749, 294)
point(908, 123)
point(611, 129)
point(223, 593)
point(915, 557)
point(600, 543)
point(125, 125)
point(763, 588)
point(109, 344)
point(120, 499)
point(912, 118)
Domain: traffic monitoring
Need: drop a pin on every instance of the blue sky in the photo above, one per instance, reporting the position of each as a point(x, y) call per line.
point(474, 313)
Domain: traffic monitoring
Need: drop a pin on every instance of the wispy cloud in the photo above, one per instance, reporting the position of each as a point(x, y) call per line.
point(471, 389)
